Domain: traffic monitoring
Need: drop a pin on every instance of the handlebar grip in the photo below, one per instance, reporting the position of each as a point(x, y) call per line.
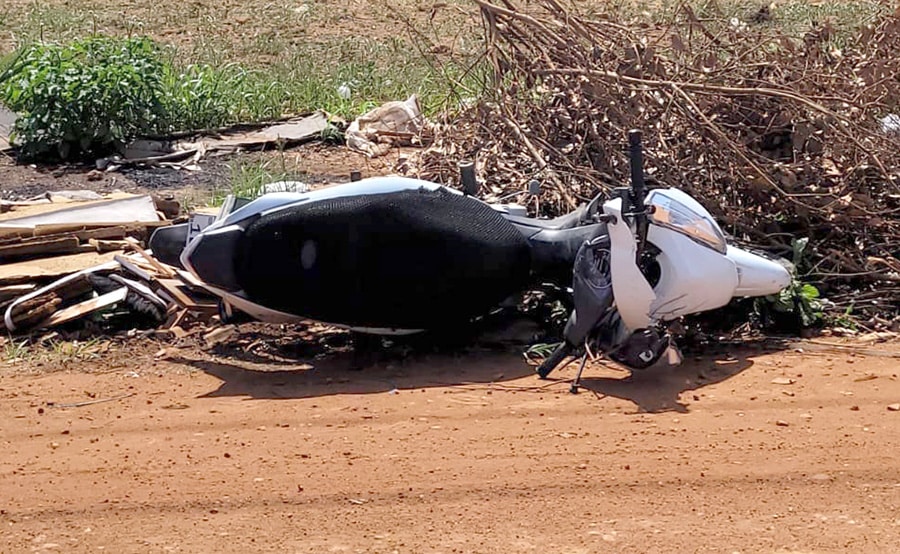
point(554, 359)
point(636, 156)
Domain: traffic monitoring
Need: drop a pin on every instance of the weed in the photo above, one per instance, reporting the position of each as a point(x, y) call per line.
point(248, 178)
point(15, 351)
point(68, 351)
point(800, 300)
point(844, 320)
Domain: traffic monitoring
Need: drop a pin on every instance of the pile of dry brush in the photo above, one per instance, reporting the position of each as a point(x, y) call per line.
point(781, 138)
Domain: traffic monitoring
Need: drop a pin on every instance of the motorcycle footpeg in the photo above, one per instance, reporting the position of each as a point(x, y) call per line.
point(554, 359)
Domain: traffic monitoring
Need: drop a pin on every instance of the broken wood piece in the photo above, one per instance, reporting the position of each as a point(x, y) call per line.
point(37, 313)
point(136, 246)
point(219, 335)
point(188, 279)
point(86, 307)
point(108, 245)
point(46, 270)
point(84, 231)
point(181, 293)
point(66, 245)
point(129, 265)
point(14, 291)
point(175, 319)
point(66, 289)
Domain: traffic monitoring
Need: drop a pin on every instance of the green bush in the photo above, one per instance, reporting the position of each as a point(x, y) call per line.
point(86, 97)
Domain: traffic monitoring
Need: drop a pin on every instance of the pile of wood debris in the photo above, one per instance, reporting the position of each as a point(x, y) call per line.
point(84, 264)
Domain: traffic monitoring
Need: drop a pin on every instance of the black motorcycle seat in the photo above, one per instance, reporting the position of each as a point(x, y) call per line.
point(409, 259)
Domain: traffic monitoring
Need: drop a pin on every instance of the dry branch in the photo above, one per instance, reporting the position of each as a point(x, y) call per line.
point(781, 139)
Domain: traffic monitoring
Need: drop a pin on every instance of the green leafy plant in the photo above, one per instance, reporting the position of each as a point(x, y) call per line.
point(799, 299)
point(88, 96)
point(844, 320)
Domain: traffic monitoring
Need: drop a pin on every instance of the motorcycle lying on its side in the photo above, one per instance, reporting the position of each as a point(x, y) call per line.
point(394, 255)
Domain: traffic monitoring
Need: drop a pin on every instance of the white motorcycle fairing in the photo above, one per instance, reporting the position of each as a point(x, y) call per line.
point(698, 271)
point(693, 278)
point(633, 294)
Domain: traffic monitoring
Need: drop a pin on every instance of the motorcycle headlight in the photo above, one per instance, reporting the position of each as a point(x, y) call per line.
point(672, 214)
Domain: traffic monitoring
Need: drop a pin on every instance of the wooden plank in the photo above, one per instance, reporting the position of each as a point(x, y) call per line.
point(188, 279)
point(50, 247)
point(107, 245)
point(83, 234)
point(77, 228)
point(37, 313)
point(172, 287)
point(102, 233)
point(15, 291)
point(133, 268)
point(86, 307)
point(150, 259)
point(44, 270)
point(181, 293)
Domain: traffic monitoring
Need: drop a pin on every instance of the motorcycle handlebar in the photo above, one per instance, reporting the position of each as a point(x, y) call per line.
point(638, 186)
point(554, 359)
point(636, 156)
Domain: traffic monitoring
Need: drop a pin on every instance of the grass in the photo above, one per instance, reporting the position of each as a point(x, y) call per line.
point(234, 62)
point(269, 60)
point(14, 350)
point(248, 178)
point(55, 350)
point(69, 351)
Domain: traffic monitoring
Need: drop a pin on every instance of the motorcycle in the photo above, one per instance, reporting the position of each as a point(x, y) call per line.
point(394, 255)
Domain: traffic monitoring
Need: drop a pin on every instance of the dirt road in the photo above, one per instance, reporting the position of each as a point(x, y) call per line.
point(778, 452)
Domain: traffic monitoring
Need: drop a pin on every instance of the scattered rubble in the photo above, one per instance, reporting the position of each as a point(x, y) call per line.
point(186, 151)
point(67, 260)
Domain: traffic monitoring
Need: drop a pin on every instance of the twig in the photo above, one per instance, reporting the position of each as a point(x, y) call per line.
point(539, 159)
point(89, 402)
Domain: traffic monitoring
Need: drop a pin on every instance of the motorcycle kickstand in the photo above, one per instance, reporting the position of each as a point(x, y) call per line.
point(577, 382)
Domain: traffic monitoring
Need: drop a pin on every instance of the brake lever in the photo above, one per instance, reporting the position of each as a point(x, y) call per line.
point(605, 218)
point(650, 210)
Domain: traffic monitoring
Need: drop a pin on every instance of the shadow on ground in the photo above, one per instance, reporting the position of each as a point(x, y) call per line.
point(655, 390)
point(338, 374)
point(659, 388)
